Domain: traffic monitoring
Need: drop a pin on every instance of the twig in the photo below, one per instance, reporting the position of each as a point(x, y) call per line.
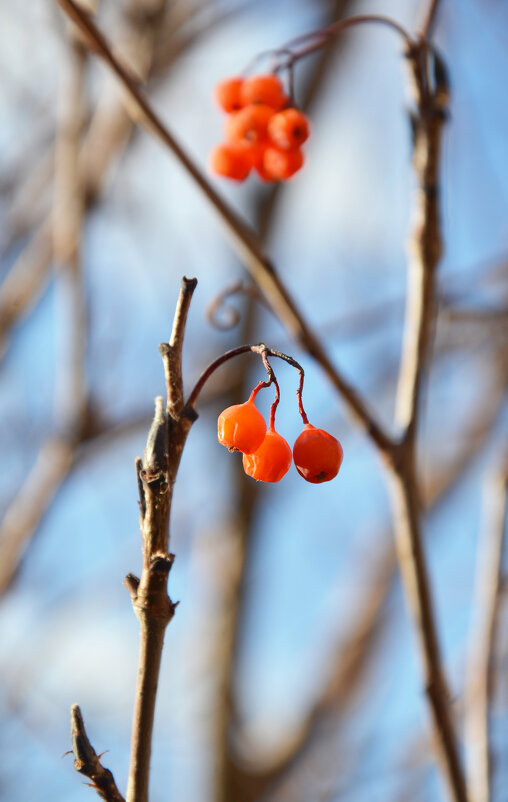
point(429, 20)
point(431, 97)
point(67, 219)
point(156, 475)
point(25, 281)
point(483, 634)
point(171, 352)
point(88, 763)
point(242, 236)
point(24, 514)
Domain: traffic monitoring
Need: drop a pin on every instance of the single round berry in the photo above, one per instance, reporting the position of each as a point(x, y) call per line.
point(279, 165)
point(266, 89)
point(271, 461)
point(231, 160)
point(248, 126)
point(227, 94)
point(241, 427)
point(317, 455)
point(289, 129)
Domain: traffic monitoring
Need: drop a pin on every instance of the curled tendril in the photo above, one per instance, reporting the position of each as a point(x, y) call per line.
point(221, 314)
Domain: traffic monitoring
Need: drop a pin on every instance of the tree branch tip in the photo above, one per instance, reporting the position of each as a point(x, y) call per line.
point(159, 407)
point(189, 284)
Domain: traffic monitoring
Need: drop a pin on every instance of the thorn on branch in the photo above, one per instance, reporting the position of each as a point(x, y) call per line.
point(88, 763)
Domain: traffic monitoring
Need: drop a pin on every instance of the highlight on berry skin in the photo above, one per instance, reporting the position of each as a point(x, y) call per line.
point(263, 131)
point(241, 427)
point(317, 455)
point(271, 461)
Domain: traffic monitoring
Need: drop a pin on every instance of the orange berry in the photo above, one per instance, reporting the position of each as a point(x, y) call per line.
point(289, 129)
point(227, 94)
point(241, 427)
point(266, 89)
point(317, 455)
point(271, 461)
point(231, 160)
point(281, 164)
point(248, 126)
point(258, 152)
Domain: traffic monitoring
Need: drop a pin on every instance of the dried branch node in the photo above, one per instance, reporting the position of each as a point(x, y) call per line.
point(87, 762)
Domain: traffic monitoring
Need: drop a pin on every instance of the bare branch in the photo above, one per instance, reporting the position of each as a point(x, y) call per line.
point(426, 244)
point(431, 96)
point(483, 634)
point(429, 20)
point(29, 505)
point(88, 763)
point(156, 477)
point(25, 281)
point(171, 352)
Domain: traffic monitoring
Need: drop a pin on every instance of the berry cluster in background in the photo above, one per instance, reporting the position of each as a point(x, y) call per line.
point(263, 131)
point(267, 456)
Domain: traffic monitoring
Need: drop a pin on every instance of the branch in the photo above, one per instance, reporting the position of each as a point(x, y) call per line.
point(26, 510)
point(431, 96)
point(483, 634)
point(88, 763)
point(171, 352)
point(429, 20)
point(426, 242)
point(25, 281)
point(156, 475)
point(244, 239)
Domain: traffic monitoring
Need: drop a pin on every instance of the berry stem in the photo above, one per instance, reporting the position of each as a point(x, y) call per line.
point(257, 388)
point(299, 397)
point(273, 380)
point(284, 57)
point(264, 352)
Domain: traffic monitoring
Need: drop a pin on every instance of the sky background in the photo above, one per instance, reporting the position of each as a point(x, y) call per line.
point(338, 237)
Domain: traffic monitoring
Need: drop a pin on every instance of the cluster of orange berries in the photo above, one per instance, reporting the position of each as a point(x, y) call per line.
point(263, 132)
point(267, 456)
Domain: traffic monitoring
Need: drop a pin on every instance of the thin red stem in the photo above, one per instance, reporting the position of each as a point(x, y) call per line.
point(300, 402)
point(257, 388)
point(264, 352)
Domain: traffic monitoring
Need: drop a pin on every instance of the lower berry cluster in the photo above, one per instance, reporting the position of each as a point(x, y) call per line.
point(267, 456)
